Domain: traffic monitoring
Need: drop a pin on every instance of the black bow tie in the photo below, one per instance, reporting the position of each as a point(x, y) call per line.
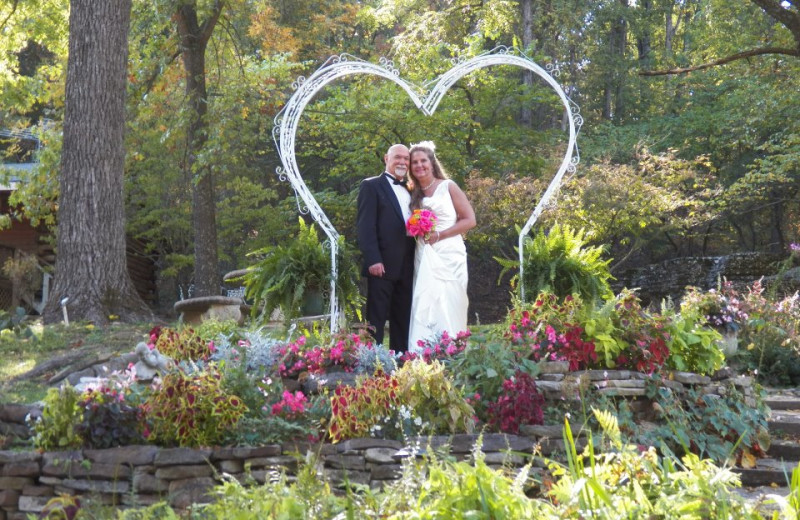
point(403, 182)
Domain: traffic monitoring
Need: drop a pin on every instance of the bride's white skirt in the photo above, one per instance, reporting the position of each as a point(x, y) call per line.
point(440, 291)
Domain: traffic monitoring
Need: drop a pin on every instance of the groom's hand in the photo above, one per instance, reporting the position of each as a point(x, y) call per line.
point(376, 269)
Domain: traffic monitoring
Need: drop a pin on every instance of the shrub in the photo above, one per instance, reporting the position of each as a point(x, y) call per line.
point(721, 309)
point(441, 347)
point(561, 262)
point(625, 335)
point(707, 425)
point(374, 358)
point(108, 421)
point(542, 332)
point(519, 403)
point(340, 352)
point(693, 347)
point(771, 336)
point(428, 391)
point(192, 409)
point(56, 428)
point(180, 345)
point(356, 409)
point(214, 330)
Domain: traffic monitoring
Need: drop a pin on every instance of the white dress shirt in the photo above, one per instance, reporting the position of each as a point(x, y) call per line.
point(402, 194)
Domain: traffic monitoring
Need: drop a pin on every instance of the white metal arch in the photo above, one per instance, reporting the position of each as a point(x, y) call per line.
point(336, 67)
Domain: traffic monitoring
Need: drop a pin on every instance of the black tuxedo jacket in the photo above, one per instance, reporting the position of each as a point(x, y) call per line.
point(382, 230)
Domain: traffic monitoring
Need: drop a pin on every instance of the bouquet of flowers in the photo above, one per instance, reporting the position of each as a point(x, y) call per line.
point(421, 223)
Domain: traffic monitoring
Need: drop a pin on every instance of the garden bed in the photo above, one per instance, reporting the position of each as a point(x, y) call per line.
point(142, 475)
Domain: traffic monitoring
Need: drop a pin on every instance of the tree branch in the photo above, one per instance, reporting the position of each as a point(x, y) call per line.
point(211, 22)
point(722, 61)
point(775, 9)
point(10, 14)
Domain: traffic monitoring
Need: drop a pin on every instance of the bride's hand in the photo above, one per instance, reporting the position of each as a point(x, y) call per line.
point(430, 240)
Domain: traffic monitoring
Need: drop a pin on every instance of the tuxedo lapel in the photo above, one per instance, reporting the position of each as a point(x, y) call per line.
point(383, 185)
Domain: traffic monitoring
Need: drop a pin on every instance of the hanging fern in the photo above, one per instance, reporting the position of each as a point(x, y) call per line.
point(287, 274)
point(560, 262)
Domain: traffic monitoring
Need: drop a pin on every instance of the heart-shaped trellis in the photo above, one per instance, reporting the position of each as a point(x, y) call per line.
point(286, 122)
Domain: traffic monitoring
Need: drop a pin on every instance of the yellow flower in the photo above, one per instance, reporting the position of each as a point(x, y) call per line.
point(113, 317)
point(90, 326)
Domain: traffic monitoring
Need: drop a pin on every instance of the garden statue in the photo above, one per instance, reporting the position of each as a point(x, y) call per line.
point(151, 362)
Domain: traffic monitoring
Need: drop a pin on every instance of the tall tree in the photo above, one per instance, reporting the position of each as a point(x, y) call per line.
point(785, 12)
point(91, 262)
point(194, 37)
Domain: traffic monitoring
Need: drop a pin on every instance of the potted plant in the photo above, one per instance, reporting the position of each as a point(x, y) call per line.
point(296, 276)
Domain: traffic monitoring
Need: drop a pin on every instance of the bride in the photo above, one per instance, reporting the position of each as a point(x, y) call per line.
point(440, 267)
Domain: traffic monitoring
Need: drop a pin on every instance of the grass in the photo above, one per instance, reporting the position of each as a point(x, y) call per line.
point(21, 352)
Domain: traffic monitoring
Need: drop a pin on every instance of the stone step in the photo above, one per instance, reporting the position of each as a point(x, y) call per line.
point(768, 472)
point(761, 498)
point(783, 402)
point(785, 422)
point(783, 449)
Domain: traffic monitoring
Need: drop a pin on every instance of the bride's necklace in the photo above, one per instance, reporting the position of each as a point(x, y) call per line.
point(429, 185)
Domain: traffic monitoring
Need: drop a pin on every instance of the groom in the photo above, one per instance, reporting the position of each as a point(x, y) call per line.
point(383, 209)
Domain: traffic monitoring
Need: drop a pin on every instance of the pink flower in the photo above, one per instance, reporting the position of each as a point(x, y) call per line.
point(337, 352)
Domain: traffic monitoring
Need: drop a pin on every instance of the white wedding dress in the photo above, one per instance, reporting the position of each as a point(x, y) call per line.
point(440, 277)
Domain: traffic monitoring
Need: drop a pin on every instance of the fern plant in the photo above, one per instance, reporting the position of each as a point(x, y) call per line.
point(560, 262)
point(290, 275)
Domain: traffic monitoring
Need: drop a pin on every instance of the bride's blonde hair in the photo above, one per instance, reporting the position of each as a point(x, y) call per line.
point(429, 149)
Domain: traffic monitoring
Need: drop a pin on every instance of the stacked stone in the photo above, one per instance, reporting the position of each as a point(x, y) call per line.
point(556, 382)
point(142, 475)
point(13, 421)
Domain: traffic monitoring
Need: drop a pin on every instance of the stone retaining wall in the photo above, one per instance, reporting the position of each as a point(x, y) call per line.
point(142, 475)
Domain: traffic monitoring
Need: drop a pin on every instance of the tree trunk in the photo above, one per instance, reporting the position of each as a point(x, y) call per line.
point(91, 262)
point(194, 40)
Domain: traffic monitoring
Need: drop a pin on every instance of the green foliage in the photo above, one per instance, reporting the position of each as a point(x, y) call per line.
point(57, 427)
point(15, 321)
point(707, 425)
point(693, 347)
point(789, 505)
point(287, 275)
point(357, 409)
point(464, 490)
point(213, 330)
point(481, 368)
point(427, 389)
point(561, 262)
point(603, 483)
point(192, 409)
point(771, 336)
point(108, 420)
point(305, 497)
point(181, 345)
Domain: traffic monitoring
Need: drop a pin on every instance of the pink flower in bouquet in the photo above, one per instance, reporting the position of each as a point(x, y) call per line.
point(421, 223)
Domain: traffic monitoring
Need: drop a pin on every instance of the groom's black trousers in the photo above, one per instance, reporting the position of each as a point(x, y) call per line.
point(390, 299)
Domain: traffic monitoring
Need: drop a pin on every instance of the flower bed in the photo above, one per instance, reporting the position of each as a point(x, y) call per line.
point(658, 373)
point(142, 475)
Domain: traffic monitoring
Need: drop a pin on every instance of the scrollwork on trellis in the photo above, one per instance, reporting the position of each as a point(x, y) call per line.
point(426, 98)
